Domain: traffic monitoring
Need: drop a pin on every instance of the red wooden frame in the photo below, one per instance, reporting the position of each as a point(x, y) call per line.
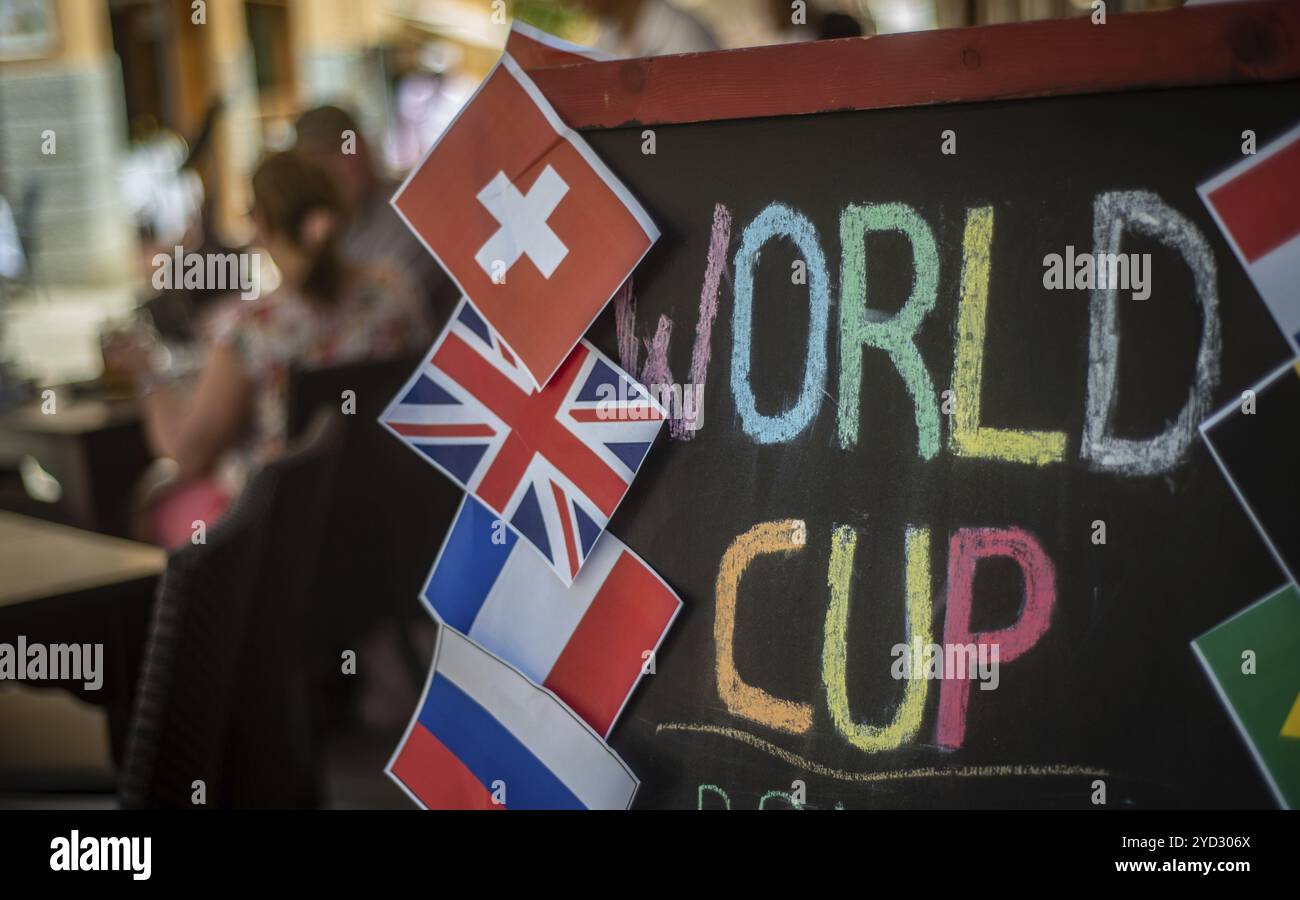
point(1215, 44)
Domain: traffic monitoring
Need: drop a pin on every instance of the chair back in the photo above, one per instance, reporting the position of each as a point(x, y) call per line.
point(390, 508)
point(222, 694)
point(273, 760)
point(185, 693)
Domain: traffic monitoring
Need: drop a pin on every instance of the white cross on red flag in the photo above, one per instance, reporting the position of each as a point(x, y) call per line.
point(533, 227)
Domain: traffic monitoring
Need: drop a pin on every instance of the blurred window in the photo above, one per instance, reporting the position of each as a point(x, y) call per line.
point(268, 33)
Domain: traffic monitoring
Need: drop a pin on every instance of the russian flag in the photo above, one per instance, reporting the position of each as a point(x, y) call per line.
point(587, 643)
point(485, 737)
point(1256, 204)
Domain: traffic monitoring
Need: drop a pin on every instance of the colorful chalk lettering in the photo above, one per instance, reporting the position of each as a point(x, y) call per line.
point(1114, 215)
point(859, 328)
point(907, 718)
point(656, 369)
point(968, 437)
point(966, 548)
point(1143, 212)
point(743, 699)
point(778, 220)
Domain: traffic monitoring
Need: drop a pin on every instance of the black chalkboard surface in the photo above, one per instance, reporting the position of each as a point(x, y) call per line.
point(782, 674)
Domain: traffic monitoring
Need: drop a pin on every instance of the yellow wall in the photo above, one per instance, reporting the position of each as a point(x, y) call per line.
point(335, 24)
point(82, 35)
point(230, 60)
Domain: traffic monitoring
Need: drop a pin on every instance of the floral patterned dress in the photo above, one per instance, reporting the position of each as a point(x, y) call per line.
point(379, 316)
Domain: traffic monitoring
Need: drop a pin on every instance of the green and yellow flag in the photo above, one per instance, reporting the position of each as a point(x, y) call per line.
point(1254, 661)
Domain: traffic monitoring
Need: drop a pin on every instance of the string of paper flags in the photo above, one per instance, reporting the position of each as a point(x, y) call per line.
point(546, 622)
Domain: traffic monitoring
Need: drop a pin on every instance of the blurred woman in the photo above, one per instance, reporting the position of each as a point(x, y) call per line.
point(326, 311)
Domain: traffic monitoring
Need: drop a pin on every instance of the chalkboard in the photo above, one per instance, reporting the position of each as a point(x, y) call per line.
point(775, 687)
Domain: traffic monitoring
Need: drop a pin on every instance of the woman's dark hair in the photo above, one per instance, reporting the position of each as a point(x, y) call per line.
point(287, 188)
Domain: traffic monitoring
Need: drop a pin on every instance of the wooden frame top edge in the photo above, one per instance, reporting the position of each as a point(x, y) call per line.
point(1217, 44)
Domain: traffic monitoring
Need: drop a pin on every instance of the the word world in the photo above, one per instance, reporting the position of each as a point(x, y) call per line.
point(862, 328)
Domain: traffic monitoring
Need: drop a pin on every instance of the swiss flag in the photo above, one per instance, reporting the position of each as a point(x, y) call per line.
point(533, 227)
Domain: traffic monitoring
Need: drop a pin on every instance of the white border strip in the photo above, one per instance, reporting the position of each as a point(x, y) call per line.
point(1232, 483)
point(557, 43)
point(582, 147)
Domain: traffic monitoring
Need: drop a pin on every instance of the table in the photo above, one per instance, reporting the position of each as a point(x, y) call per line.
point(42, 560)
point(94, 447)
point(63, 585)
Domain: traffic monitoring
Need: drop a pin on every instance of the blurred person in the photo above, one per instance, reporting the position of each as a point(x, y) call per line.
point(13, 266)
point(163, 196)
point(418, 118)
point(632, 28)
point(821, 24)
point(173, 209)
point(373, 230)
point(833, 25)
point(327, 310)
point(13, 263)
point(427, 96)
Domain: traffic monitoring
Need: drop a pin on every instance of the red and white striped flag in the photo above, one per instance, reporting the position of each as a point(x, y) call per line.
point(1256, 204)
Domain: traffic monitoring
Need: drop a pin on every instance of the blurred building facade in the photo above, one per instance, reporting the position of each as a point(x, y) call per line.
point(61, 134)
point(109, 71)
point(98, 74)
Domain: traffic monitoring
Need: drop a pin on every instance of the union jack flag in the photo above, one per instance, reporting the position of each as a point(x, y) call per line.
point(553, 463)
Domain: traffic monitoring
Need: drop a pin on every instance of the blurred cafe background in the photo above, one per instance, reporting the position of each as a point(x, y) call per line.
point(178, 482)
